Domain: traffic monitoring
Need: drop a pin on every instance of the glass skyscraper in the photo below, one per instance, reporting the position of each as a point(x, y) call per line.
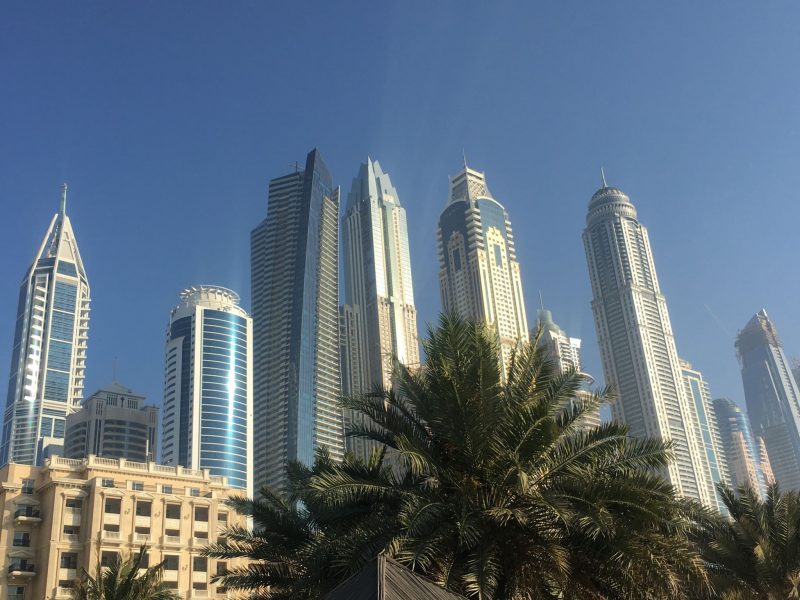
point(746, 464)
point(772, 397)
point(208, 386)
point(48, 359)
point(479, 274)
point(637, 347)
point(378, 319)
point(294, 264)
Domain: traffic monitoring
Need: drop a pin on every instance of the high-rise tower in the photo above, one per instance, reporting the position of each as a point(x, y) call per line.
point(478, 270)
point(48, 360)
point(637, 347)
point(378, 319)
point(208, 386)
point(742, 450)
point(295, 297)
point(772, 396)
point(697, 392)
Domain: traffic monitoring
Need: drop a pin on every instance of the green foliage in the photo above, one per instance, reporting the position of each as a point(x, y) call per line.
point(496, 490)
point(754, 555)
point(123, 581)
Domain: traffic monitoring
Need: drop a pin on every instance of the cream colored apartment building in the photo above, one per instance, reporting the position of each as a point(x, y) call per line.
point(67, 515)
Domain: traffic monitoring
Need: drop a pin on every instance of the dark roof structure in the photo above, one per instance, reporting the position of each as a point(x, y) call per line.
point(384, 579)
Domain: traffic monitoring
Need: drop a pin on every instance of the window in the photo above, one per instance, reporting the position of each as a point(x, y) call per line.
point(201, 513)
point(106, 482)
point(27, 486)
point(69, 560)
point(137, 486)
point(200, 564)
point(170, 585)
point(199, 586)
point(173, 511)
point(66, 583)
point(113, 506)
point(171, 562)
point(72, 529)
point(74, 503)
point(194, 492)
point(143, 509)
point(222, 518)
point(222, 568)
point(166, 489)
point(145, 561)
point(172, 532)
point(201, 535)
point(142, 530)
point(108, 558)
point(22, 538)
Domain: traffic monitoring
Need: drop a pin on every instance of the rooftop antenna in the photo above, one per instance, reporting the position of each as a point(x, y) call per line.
point(603, 177)
point(541, 301)
point(464, 154)
point(62, 209)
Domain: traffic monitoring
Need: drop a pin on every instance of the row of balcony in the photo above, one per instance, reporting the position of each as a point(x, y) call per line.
point(146, 537)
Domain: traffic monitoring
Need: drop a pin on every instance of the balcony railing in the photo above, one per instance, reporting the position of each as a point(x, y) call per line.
point(28, 511)
point(141, 537)
point(110, 535)
point(172, 539)
point(63, 592)
point(23, 569)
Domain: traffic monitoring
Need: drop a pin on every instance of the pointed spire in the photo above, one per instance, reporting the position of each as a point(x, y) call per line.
point(464, 154)
point(603, 177)
point(541, 300)
point(62, 209)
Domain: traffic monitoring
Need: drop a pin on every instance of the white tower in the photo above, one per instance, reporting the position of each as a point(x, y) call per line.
point(48, 360)
point(378, 321)
point(636, 343)
point(478, 270)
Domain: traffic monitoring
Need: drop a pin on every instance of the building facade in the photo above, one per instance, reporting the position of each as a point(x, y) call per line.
point(65, 516)
point(113, 423)
point(747, 465)
point(478, 270)
point(697, 391)
point(48, 359)
point(208, 386)
point(295, 298)
point(565, 352)
point(378, 322)
point(772, 397)
point(637, 347)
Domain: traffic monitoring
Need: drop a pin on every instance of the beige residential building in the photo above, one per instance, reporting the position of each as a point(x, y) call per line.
point(67, 515)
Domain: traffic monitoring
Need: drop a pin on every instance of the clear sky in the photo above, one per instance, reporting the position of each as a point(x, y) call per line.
point(168, 119)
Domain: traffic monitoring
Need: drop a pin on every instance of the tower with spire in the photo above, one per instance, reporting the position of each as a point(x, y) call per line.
point(637, 346)
point(478, 270)
point(48, 359)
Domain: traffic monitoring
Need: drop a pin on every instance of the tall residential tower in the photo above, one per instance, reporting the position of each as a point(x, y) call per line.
point(478, 270)
point(379, 319)
point(772, 396)
point(294, 258)
point(208, 386)
point(48, 359)
point(637, 347)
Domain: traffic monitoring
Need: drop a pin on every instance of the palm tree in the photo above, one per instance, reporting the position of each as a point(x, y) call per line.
point(121, 581)
point(495, 489)
point(755, 554)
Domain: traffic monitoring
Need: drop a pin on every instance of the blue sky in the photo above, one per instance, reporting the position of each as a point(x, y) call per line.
point(168, 120)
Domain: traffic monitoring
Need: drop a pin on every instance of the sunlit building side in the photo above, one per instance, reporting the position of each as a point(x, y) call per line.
point(747, 464)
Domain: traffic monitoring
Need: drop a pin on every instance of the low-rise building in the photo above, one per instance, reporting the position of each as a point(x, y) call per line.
point(71, 514)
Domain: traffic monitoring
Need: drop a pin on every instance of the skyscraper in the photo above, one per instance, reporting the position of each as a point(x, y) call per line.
point(478, 270)
point(208, 386)
point(565, 352)
point(697, 391)
point(772, 397)
point(637, 347)
point(744, 458)
point(48, 359)
point(295, 297)
point(114, 423)
point(378, 319)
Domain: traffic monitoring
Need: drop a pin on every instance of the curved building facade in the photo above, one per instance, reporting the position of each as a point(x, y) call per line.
point(478, 270)
point(744, 457)
point(637, 347)
point(48, 360)
point(208, 386)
